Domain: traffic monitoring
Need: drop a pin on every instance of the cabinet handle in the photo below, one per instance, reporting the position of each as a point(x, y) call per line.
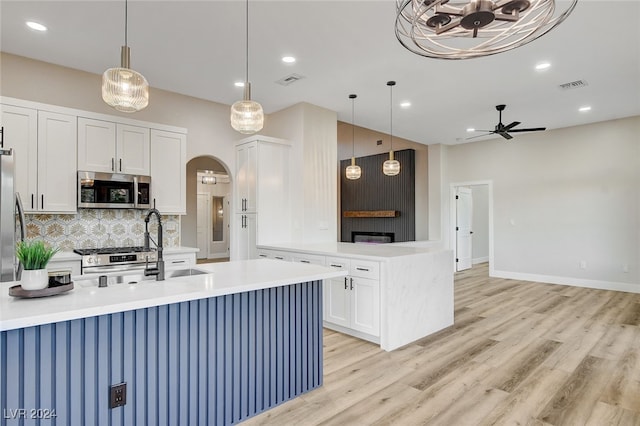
point(335, 266)
point(174, 262)
point(113, 169)
point(345, 283)
point(31, 200)
point(305, 261)
point(154, 203)
point(351, 281)
point(121, 164)
point(262, 255)
point(363, 269)
point(279, 257)
point(42, 201)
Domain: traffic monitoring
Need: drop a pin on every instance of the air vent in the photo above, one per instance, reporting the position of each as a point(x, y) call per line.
point(291, 78)
point(574, 85)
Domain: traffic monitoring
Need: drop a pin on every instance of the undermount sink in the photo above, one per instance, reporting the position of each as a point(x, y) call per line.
point(135, 278)
point(184, 273)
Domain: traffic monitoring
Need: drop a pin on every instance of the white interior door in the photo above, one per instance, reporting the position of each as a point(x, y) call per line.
point(203, 224)
point(464, 218)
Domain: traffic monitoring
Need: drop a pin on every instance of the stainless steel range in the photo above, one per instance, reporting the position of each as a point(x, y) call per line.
point(115, 259)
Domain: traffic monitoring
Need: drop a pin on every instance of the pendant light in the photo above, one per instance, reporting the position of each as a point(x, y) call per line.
point(391, 167)
point(123, 88)
point(246, 115)
point(353, 171)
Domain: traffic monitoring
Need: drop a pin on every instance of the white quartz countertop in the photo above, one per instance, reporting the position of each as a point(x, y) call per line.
point(223, 278)
point(365, 251)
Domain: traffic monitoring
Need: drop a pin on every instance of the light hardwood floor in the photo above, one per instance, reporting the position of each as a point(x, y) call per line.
point(519, 353)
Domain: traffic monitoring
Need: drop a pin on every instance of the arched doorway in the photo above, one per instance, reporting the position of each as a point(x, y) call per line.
point(206, 224)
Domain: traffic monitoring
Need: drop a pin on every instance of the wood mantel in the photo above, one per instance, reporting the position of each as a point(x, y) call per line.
point(371, 213)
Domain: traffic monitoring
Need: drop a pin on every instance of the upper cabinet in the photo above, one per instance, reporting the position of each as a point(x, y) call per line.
point(52, 143)
point(21, 134)
point(57, 170)
point(246, 178)
point(168, 171)
point(109, 147)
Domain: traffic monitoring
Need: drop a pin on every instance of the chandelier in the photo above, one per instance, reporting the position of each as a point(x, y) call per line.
point(469, 29)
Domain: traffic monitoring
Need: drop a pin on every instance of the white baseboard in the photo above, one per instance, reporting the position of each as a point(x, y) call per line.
point(575, 282)
point(480, 260)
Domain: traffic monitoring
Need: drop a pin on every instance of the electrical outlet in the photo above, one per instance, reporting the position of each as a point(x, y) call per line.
point(379, 142)
point(117, 395)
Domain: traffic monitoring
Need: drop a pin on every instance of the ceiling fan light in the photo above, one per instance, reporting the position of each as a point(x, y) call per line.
point(474, 28)
point(353, 171)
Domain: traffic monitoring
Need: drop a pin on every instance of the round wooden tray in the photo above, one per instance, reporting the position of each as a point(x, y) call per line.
point(18, 291)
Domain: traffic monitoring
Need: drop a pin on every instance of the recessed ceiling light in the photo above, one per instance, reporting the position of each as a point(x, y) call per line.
point(584, 109)
point(239, 84)
point(471, 129)
point(543, 66)
point(405, 104)
point(36, 26)
point(288, 59)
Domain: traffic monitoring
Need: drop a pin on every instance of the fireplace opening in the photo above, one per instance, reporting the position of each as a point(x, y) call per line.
point(372, 237)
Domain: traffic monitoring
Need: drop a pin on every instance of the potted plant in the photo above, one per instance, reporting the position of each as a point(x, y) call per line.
point(34, 257)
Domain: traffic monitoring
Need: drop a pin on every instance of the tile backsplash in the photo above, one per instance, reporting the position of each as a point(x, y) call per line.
point(97, 228)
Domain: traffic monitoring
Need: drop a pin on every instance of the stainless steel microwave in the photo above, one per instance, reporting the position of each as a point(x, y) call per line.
point(113, 191)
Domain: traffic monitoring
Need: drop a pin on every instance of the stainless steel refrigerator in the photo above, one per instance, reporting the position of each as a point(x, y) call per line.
point(11, 215)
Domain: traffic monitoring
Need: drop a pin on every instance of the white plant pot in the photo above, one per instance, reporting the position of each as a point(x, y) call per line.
point(36, 279)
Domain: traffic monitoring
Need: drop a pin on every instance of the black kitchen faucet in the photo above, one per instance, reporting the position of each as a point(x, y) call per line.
point(158, 271)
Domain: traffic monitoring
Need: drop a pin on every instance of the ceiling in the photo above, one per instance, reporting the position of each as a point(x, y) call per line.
point(197, 48)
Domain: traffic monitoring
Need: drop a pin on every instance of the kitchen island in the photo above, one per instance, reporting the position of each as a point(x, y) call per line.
point(214, 348)
point(393, 295)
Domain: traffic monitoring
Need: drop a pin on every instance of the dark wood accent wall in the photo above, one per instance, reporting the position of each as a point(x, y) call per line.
point(376, 191)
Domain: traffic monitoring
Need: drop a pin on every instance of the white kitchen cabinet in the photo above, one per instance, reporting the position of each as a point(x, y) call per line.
point(261, 188)
point(20, 132)
point(174, 260)
point(245, 225)
point(57, 167)
point(354, 301)
point(109, 147)
point(168, 171)
point(45, 172)
point(246, 177)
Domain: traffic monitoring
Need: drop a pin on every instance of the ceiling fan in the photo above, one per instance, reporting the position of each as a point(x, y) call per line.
point(503, 130)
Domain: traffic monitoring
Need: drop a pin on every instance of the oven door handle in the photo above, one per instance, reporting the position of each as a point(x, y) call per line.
point(91, 270)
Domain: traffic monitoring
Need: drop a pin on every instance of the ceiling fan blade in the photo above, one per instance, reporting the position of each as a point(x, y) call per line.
point(509, 126)
point(488, 131)
point(479, 136)
point(505, 135)
point(534, 129)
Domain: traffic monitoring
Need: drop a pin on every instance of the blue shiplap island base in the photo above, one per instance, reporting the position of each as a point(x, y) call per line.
point(213, 361)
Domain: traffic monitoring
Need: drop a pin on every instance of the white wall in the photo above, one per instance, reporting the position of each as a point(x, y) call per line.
point(313, 135)
point(561, 197)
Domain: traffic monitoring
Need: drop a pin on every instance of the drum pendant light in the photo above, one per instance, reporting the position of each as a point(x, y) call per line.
point(353, 171)
point(391, 167)
point(246, 115)
point(123, 88)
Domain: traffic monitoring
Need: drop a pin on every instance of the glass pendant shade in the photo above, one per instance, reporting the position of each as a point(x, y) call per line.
point(353, 171)
point(391, 167)
point(125, 89)
point(246, 115)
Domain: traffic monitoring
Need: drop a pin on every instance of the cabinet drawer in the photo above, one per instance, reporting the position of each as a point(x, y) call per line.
point(309, 258)
point(179, 260)
point(273, 254)
point(338, 263)
point(365, 269)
